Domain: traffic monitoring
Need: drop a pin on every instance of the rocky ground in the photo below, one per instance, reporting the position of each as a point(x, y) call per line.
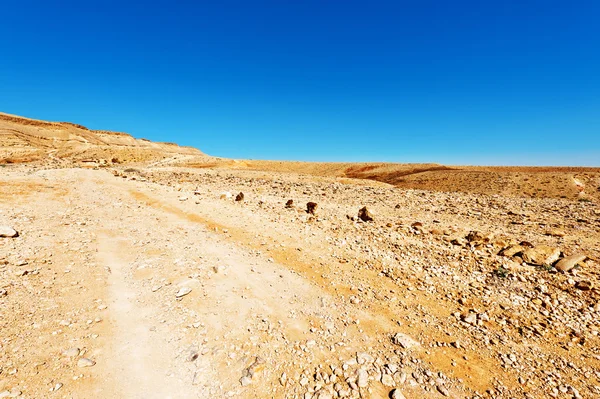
point(164, 282)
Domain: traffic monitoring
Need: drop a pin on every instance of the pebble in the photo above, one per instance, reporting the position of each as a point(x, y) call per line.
point(85, 362)
point(404, 341)
point(8, 232)
point(396, 394)
point(71, 352)
point(183, 291)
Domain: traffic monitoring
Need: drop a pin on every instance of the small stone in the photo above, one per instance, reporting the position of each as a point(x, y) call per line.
point(542, 255)
point(365, 215)
point(404, 341)
point(569, 262)
point(362, 378)
point(387, 380)
point(239, 197)
point(584, 285)
point(289, 203)
point(183, 291)
point(469, 318)
point(15, 393)
point(396, 394)
point(71, 352)
point(245, 381)
point(441, 389)
point(8, 232)
point(311, 207)
point(85, 362)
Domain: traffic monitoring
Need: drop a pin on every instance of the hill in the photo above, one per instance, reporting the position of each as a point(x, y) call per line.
point(29, 140)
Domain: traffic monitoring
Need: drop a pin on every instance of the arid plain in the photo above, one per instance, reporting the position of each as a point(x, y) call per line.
point(133, 269)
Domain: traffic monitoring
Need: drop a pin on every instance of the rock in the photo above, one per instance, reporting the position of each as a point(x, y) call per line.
point(3, 292)
point(469, 318)
point(365, 215)
point(183, 291)
point(15, 393)
point(289, 203)
point(226, 195)
point(417, 225)
point(85, 362)
point(566, 264)
point(245, 381)
point(362, 378)
point(441, 389)
point(584, 285)
point(183, 198)
point(475, 236)
point(556, 233)
point(311, 207)
point(239, 197)
point(387, 380)
point(542, 255)
point(362, 358)
point(396, 394)
point(8, 232)
point(512, 250)
point(404, 341)
point(71, 352)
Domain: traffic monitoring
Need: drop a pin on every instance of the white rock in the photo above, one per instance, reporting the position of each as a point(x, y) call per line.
point(6, 231)
point(183, 291)
point(85, 362)
point(396, 394)
point(405, 341)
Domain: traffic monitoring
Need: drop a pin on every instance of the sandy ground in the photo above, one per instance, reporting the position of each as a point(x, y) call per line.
point(172, 289)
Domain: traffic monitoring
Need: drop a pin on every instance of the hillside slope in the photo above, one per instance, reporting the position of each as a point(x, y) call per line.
point(27, 140)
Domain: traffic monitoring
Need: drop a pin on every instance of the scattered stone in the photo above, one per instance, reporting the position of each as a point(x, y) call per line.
point(476, 236)
point(469, 318)
point(556, 233)
point(289, 203)
point(568, 263)
point(311, 207)
point(365, 215)
point(245, 381)
point(183, 291)
point(85, 362)
point(71, 352)
point(396, 394)
point(8, 232)
point(387, 380)
point(362, 378)
point(584, 285)
point(239, 197)
point(15, 393)
point(404, 341)
point(441, 389)
point(513, 250)
point(541, 255)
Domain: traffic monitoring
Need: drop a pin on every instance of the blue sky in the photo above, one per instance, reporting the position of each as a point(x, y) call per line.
point(456, 82)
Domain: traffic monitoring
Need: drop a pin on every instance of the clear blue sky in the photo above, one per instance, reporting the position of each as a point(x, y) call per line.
point(458, 82)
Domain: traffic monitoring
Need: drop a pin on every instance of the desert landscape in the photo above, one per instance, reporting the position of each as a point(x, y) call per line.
point(134, 269)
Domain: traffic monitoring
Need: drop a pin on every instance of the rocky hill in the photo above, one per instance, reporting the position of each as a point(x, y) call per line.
point(30, 140)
